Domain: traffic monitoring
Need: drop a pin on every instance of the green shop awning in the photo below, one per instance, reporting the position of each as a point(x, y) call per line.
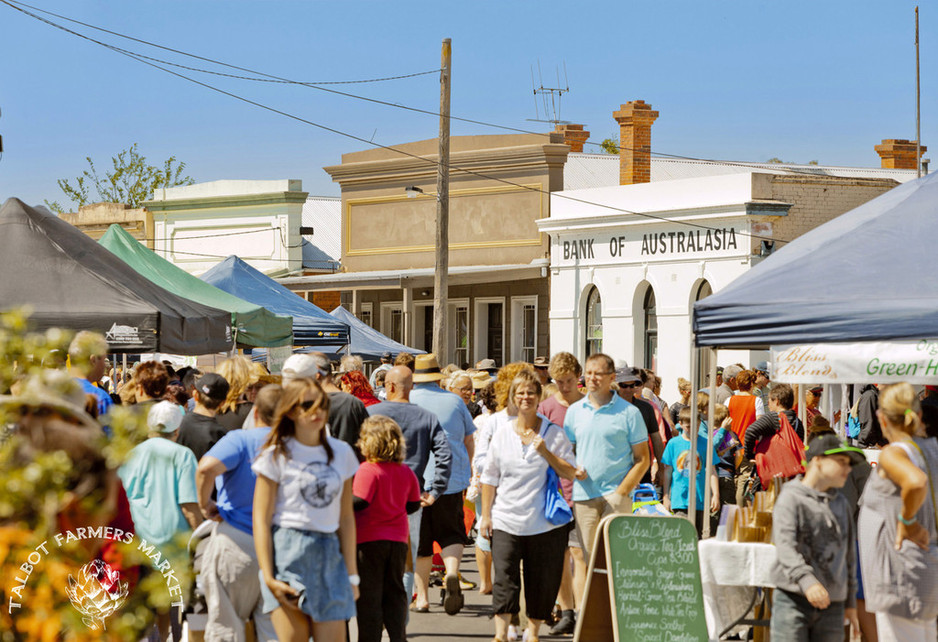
point(256, 326)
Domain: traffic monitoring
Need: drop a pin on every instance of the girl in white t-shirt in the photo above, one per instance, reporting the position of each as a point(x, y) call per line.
point(304, 525)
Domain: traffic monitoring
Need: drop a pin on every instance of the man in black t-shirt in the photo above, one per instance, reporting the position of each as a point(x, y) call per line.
point(629, 382)
point(199, 430)
point(346, 412)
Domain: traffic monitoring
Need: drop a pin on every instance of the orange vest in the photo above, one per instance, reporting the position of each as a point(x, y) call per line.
point(743, 412)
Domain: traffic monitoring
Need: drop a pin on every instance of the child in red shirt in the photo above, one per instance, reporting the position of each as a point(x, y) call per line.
point(385, 492)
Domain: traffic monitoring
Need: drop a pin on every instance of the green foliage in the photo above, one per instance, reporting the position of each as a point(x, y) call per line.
point(131, 181)
point(38, 487)
point(610, 146)
point(776, 159)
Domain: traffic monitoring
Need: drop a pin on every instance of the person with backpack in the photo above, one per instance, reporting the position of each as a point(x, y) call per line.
point(781, 400)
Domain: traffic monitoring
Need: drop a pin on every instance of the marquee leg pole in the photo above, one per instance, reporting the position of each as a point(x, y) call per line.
point(694, 427)
point(710, 407)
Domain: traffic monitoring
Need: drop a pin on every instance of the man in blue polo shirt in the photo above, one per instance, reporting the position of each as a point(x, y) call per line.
point(611, 443)
point(229, 567)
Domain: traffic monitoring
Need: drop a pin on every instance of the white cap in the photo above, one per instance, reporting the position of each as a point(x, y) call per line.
point(298, 366)
point(165, 416)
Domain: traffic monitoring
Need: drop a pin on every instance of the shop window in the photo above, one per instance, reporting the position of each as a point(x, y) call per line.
point(460, 321)
point(651, 330)
point(392, 321)
point(425, 317)
point(703, 371)
point(594, 323)
point(524, 328)
point(462, 337)
point(489, 333)
point(365, 314)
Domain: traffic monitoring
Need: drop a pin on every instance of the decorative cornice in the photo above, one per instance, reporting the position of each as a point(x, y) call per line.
point(494, 162)
point(278, 198)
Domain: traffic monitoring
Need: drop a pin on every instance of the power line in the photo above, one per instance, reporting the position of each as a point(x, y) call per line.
point(277, 79)
point(272, 79)
point(369, 142)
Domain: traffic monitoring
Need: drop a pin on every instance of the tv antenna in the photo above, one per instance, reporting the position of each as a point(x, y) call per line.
point(549, 97)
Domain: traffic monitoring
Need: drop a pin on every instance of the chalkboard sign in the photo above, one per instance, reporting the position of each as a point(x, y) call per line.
point(644, 582)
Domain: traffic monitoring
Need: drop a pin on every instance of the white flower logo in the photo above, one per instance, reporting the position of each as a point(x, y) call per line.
point(97, 593)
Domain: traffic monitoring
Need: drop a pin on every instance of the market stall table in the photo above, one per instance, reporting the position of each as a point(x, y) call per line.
point(732, 574)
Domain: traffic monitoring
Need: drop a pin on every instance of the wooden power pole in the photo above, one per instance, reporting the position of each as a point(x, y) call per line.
point(918, 106)
point(441, 273)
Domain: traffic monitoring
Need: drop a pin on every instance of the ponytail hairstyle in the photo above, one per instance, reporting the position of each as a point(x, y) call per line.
point(899, 405)
point(282, 426)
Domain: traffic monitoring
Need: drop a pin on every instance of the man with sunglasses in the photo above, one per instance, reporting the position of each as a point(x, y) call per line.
point(611, 444)
point(629, 387)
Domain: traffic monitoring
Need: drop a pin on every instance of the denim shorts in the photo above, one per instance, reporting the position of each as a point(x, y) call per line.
point(312, 563)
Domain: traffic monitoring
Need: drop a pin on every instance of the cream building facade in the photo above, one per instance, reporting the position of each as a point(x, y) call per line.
point(498, 285)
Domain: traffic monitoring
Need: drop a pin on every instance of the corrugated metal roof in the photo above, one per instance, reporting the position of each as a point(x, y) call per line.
point(324, 215)
point(316, 259)
point(583, 171)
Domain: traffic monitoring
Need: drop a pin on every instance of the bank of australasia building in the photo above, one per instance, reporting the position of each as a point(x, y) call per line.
point(635, 241)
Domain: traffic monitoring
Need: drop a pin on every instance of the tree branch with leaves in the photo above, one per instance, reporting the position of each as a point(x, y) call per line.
point(131, 180)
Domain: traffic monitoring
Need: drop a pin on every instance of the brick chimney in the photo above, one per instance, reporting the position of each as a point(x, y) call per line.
point(898, 153)
point(635, 119)
point(573, 135)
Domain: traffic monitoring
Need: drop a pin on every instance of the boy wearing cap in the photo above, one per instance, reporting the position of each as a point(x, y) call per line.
point(159, 477)
point(199, 429)
point(813, 532)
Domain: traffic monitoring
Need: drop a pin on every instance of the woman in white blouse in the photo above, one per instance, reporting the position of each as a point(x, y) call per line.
point(514, 488)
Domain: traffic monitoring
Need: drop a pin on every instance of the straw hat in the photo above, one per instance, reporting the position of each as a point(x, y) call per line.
point(480, 379)
point(51, 389)
point(426, 368)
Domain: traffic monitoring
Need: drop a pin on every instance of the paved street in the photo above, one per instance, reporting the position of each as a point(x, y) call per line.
point(472, 623)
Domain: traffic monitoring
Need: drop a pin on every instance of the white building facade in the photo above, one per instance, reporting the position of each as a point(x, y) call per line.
point(625, 283)
point(628, 262)
point(197, 226)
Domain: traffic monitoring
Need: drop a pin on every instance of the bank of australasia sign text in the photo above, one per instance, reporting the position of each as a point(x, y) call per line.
point(676, 242)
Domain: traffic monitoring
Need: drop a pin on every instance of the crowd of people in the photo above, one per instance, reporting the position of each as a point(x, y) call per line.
point(321, 495)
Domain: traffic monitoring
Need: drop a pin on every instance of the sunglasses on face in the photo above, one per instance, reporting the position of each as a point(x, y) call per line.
point(306, 405)
point(629, 385)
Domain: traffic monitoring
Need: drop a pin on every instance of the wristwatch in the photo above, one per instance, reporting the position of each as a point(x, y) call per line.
point(354, 580)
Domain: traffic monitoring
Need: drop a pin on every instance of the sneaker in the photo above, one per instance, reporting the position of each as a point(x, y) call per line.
point(512, 633)
point(565, 625)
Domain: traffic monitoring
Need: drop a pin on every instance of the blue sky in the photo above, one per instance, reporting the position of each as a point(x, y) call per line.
point(738, 80)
